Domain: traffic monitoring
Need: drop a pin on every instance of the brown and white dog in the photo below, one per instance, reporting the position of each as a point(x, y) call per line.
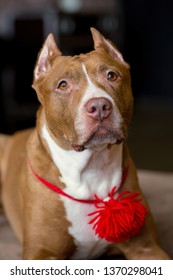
point(78, 145)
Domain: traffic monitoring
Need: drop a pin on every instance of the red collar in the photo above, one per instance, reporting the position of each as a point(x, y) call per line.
point(61, 192)
point(115, 220)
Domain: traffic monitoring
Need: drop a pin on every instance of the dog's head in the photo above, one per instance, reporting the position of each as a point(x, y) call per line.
point(87, 99)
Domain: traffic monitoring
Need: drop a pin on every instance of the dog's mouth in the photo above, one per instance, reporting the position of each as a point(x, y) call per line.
point(99, 137)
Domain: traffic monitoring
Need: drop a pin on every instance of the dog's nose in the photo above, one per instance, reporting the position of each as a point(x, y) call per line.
point(98, 108)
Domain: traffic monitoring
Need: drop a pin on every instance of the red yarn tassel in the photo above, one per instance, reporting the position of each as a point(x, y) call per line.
point(118, 219)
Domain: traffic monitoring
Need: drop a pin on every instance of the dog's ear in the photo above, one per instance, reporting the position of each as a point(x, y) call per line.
point(101, 42)
point(45, 57)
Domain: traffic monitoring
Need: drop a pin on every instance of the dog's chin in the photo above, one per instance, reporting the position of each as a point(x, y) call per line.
point(100, 139)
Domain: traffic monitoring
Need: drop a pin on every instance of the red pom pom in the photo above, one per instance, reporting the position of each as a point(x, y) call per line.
point(119, 219)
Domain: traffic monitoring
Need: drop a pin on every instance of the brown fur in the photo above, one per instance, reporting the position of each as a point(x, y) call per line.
point(36, 213)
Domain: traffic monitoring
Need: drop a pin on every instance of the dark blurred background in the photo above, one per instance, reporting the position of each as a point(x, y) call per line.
point(142, 30)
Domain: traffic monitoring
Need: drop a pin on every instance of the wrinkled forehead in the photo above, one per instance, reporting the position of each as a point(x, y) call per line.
point(74, 66)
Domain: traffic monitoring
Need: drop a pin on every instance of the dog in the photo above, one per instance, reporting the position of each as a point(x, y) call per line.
point(78, 147)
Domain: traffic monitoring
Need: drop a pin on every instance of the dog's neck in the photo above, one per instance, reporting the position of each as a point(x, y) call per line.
point(88, 172)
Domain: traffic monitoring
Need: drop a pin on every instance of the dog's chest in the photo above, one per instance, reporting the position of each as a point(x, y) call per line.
point(88, 245)
point(84, 175)
point(87, 242)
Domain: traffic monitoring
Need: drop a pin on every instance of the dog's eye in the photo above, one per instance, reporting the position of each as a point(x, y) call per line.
point(112, 76)
point(63, 85)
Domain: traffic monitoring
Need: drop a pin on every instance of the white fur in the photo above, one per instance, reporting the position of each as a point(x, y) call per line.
point(85, 174)
point(92, 91)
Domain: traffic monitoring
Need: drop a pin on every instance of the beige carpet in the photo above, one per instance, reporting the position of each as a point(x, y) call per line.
point(158, 188)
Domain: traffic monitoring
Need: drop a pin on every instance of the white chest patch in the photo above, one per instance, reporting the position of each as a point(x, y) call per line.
point(85, 173)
